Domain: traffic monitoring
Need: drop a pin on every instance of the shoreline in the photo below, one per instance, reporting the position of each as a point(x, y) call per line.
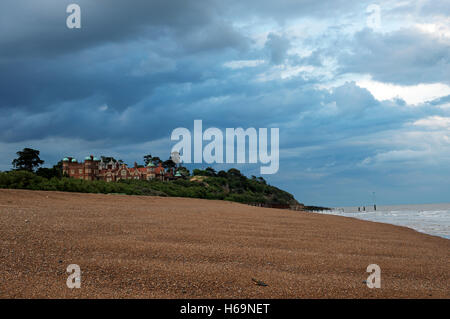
point(170, 247)
point(391, 217)
point(385, 223)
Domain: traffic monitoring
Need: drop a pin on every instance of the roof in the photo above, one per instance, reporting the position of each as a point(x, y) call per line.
point(65, 159)
point(150, 164)
point(138, 169)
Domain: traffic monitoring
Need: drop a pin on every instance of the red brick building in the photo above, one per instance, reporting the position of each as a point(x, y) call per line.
point(95, 169)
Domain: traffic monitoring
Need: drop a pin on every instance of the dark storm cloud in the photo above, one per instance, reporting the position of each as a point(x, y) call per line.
point(43, 63)
point(126, 49)
point(138, 69)
point(37, 28)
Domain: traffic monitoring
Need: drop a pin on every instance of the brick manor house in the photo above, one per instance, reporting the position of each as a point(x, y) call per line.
point(94, 169)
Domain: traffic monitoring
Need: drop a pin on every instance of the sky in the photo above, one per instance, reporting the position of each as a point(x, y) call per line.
point(361, 99)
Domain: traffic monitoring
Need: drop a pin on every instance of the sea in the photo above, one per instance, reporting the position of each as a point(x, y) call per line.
point(433, 219)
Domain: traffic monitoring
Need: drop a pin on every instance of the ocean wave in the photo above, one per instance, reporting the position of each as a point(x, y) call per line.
point(424, 219)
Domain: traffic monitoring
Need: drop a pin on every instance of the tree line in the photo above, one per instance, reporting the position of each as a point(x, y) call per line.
point(206, 183)
point(29, 160)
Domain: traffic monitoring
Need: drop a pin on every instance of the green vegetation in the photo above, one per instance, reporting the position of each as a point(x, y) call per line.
point(207, 184)
point(28, 160)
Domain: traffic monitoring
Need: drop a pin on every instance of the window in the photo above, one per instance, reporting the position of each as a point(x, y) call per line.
point(80, 171)
point(123, 173)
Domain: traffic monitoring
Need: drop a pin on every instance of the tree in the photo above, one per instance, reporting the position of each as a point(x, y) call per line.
point(28, 160)
point(210, 171)
point(184, 171)
point(198, 172)
point(148, 159)
point(156, 160)
point(233, 172)
point(55, 171)
point(169, 164)
point(261, 180)
point(107, 159)
point(222, 174)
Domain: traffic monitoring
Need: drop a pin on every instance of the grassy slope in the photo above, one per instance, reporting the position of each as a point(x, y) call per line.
point(233, 188)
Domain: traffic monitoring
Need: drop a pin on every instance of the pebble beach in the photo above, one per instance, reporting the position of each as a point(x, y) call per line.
point(160, 247)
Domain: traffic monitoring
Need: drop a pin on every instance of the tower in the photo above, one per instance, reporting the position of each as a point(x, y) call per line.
point(91, 168)
point(65, 165)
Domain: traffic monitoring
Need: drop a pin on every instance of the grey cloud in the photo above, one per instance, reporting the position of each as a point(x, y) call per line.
point(219, 36)
point(39, 28)
point(278, 46)
point(406, 57)
point(423, 8)
point(159, 65)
